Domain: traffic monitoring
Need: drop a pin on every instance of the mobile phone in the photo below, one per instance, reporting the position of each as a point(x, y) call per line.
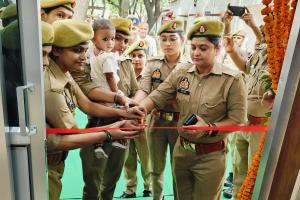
point(237, 10)
point(190, 120)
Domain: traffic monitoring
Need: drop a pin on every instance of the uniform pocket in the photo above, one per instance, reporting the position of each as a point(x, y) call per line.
point(215, 106)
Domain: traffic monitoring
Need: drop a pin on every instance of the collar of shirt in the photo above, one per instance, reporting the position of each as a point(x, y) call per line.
point(59, 79)
point(216, 69)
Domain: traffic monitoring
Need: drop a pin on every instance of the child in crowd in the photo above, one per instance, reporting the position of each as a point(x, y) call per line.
point(104, 67)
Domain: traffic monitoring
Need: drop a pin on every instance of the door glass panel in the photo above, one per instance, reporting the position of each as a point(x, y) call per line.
point(11, 60)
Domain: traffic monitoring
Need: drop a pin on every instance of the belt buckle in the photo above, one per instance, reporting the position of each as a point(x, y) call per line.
point(169, 116)
point(189, 146)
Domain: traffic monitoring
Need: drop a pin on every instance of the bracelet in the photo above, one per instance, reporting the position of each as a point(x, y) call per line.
point(108, 136)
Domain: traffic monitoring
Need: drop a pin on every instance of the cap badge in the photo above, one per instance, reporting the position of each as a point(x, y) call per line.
point(202, 29)
point(173, 26)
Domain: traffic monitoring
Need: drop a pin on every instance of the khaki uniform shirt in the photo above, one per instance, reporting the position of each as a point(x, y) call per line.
point(256, 87)
point(61, 95)
point(83, 79)
point(218, 95)
point(155, 72)
point(128, 83)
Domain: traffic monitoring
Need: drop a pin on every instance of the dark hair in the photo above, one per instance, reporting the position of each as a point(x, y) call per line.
point(215, 40)
point(103, 24)
point(48, 10)
point(8, 20)
point(180, 33)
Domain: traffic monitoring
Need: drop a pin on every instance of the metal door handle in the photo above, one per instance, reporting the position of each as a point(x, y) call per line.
point(31, 129)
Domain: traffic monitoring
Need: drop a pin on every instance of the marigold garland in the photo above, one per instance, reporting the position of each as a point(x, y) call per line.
point(278, 21)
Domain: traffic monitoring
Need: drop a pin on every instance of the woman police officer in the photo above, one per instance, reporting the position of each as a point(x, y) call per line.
point(156, 71)
point(216, 94)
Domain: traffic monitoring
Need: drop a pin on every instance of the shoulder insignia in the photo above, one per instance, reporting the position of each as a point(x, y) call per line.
point(231, 72)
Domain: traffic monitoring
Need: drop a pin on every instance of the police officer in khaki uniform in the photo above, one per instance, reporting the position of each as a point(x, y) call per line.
point(101, 175)
point(138, 147)
point(53, 10)
point(156, 71)
point(216, 94)
point(247, 144)
point(47, 40)
point(9, 14)
point(63, 95)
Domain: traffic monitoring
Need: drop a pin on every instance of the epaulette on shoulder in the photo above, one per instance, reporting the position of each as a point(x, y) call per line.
point(232, 72)
point(161, 57)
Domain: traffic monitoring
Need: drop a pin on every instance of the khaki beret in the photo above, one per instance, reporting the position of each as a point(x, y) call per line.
point(9, 11)
point(137, 45)
point(69, 4)
point(122, 25)
point(71, 32)
point(240, 33)
point(172, 26)
point(10, 36)
point(206, 28)
point(47, 34)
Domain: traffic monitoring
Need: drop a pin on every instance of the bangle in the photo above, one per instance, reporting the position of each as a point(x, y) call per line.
point(108, 136)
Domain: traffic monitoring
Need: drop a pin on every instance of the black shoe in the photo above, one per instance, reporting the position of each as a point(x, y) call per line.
point(125, 195)
point(147, 193)
point(228, 181)
point(227, 193)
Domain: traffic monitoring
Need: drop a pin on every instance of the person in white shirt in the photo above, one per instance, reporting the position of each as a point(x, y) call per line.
point(104, 67)
point(144, 29)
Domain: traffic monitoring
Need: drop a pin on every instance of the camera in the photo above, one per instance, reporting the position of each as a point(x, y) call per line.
point(237, 10)
point(190, 120)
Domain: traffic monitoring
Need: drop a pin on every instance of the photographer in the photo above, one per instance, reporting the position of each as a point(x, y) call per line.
point(246, 143)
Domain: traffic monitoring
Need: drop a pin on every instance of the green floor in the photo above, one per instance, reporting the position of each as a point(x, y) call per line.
point(73, 182)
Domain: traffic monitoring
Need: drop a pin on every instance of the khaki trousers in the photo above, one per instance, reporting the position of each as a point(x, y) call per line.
point(101, 175)
point(55, 173)
point(198, 177)
point(246, 145)
point(158, 141)
point(138, 147)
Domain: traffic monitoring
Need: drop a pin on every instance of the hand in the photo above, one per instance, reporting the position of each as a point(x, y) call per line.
point(136, 112)
point(134, 125)
point(268, 99)
point(125, 101)
point(248, 18)
point(227, 18)
point(119, 134)
point(228, 44)
point(195, 133)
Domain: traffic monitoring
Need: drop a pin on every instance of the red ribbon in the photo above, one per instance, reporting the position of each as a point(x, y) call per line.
point(201, 128)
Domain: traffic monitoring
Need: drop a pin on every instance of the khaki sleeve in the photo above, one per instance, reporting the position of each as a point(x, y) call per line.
point(58, 115)
point(166, 91)
point(133, 82)
point(145, 82)
point(237, 100)
point(78, 92)
point(52, 142)
point(84, 80)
